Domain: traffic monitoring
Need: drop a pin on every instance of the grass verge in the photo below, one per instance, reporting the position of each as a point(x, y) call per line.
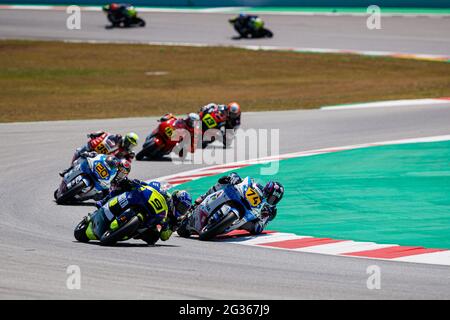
point(44, 80)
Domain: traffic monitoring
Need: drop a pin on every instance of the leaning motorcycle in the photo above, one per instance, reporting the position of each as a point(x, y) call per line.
point(160, 142)
point(88, 178)
point(119, 18)
point(213, 127)
point(128, 224)
point(224, 211)
point(247, 31)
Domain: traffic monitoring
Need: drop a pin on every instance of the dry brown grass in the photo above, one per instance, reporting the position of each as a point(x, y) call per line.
point(55, 80)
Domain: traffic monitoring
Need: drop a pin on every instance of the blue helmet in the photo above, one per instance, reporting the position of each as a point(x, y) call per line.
point(182, 202)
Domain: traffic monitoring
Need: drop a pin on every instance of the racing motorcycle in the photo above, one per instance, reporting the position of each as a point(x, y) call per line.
point(224, 211)
point(250, 27)
point(213, 123)
point(128, 223)
point(88, 178)
point(159, 142)
point(125, 16)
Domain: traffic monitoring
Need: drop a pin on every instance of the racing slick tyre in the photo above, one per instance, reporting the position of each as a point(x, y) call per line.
point(139, 22)
point(148, 151)
point(140, 155)
point(183, 232)
point(109, 238)
point(69, 194)
point(267, 33)
point(80, 231)
point(218, 228)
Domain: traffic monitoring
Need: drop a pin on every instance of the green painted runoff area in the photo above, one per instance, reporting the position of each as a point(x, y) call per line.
point(395, 194)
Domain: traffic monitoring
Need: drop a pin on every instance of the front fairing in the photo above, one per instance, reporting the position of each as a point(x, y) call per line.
point(101, 173)
point(252, 210)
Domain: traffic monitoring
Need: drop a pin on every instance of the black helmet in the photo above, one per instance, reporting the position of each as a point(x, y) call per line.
point(273, 192)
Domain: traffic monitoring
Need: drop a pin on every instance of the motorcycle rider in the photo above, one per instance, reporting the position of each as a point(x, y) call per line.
point(119, 11)
point(273, 193)
point(189, 123)
point(229, 117)
point(119, 146)
point(123, 169)
point(233, 116)
point(247, 24)
point(159, 206)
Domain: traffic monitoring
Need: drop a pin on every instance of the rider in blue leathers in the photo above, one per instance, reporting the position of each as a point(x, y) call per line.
point(273, 192)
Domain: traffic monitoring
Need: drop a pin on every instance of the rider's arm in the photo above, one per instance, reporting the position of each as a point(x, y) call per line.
point(268, 213)
point(95, 134)
point(233, 178)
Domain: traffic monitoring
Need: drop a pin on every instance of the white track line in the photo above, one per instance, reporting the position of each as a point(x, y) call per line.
point(390, 104)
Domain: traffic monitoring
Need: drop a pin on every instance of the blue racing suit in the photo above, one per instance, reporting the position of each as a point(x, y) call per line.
point(268, 212)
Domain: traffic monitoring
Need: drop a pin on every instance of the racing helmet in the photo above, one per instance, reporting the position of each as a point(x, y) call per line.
point(130, 140)
point(273, 192)
point(257, 23)
point(234, 110)
point(182, 202)
point(131, 11)
point(192, 119)
point(112, 162)
point(114, 6)
point(124, 169)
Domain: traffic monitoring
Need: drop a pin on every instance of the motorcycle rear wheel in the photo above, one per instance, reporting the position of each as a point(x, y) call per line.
point(150, 151)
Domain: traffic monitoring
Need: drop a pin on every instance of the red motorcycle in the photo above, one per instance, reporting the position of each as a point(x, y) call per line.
point(166, 137)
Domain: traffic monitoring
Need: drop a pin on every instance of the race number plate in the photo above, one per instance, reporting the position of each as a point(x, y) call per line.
point(168, 131)
point(101, 170)
point(101, 148)
point(253, 197)
point(209, 121)
point(156, 200)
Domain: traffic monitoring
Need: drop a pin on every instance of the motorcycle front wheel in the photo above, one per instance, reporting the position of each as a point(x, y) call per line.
point(69, 194)
point(210, 232)
point(109, 238)
point(80, 231)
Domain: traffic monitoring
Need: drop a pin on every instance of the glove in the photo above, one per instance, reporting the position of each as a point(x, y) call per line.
point(87, 154)
point(234, 178)
point(269, 212)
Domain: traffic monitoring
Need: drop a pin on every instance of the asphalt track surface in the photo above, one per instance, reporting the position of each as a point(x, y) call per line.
point(420, 35)
point(37, 243)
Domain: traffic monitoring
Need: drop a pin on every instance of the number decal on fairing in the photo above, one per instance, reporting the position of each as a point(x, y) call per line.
point(156, 200)
point(168, 131)
point(209, 121)
point(101, 170)
point(101, 148)
point(252, 197)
